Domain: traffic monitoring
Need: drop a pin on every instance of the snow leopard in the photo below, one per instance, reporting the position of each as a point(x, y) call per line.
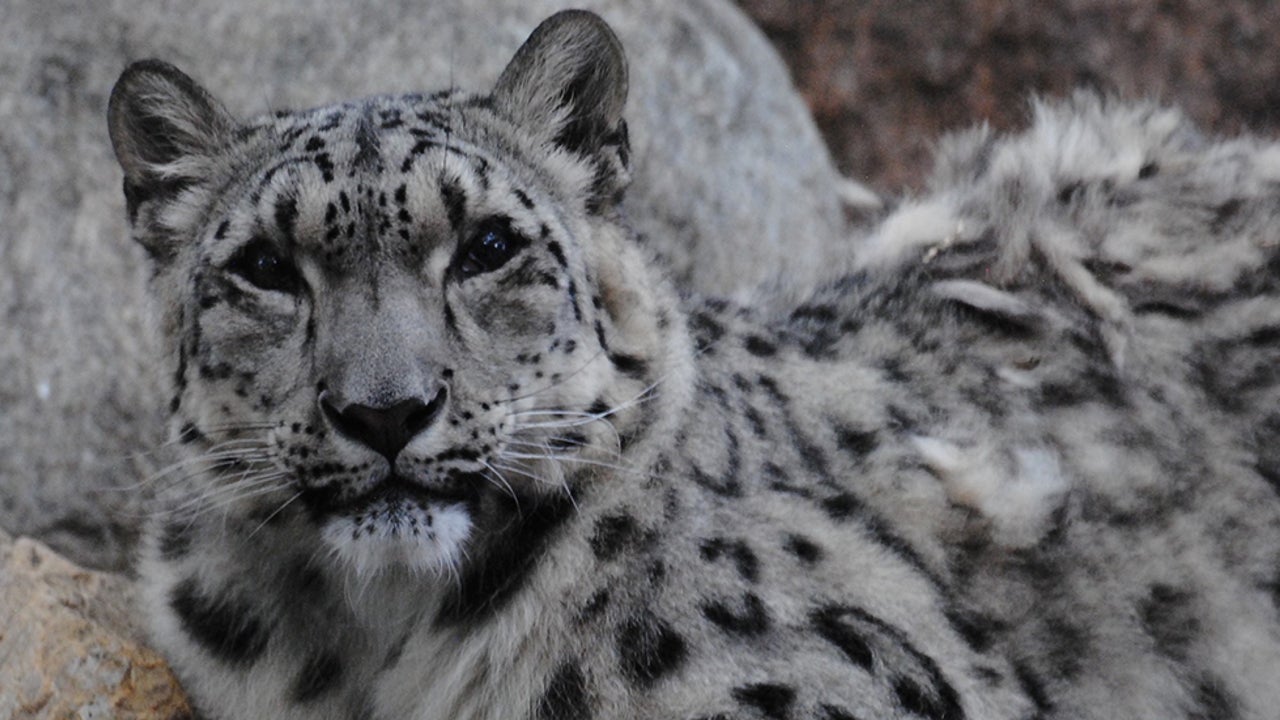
point(449, 443)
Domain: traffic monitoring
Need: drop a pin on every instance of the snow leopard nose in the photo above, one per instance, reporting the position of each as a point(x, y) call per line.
point(385, 430)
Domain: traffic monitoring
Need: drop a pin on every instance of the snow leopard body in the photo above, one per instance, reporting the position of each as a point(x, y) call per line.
point(451, 446)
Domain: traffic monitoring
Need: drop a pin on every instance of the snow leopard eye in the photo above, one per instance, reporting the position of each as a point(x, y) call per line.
point(489, 248)
point(265, 267)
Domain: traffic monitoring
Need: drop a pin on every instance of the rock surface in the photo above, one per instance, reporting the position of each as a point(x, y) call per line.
point(68, 648)
point(886, 78)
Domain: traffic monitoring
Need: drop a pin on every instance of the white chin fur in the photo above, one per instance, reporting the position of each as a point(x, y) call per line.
point(402, 535)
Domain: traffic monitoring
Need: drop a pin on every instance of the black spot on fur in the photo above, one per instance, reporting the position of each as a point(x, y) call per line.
point(750, 620)
point(498, 572)
point(834, 712)
point(320, 675)
point(1148, 170)
point(650, 649)
point(566, 696)
point(1067, 643)
point(573, 301)
point(809, 552)
point(224, 626)
point(656, 573)
point(454, 204)
point(1096, 386)
point(830, 626)
point(303, 579)
point(450, 320)
point(189, 434)
point(773, 700)
point(815, 314)
point(706, 331)
point(558, 253)
point(748, 565)
point(1224, 214)
point(1270, 472)
point(524, 199)
point(175, 540)
point(331, 121)
point(1213, 702)
point(862, 637)
point(629, 365)
point(604, 343)
point(324, 164)
point(977, 631)
point(612, 534)
point(1169, 617)
point(1070, 192)
point(916, 700)
point(842, 506)
point(727, 485)
point(759, 346)
point(368, 145)
point(1033, 687)
point(595, 605)
point(857, 443)
point(1269, 335)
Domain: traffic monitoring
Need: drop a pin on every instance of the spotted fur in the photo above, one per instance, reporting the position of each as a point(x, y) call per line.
point(453, 448)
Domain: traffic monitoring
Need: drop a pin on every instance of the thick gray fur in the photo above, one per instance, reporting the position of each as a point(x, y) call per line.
point(1020, 463)
point(729, 165)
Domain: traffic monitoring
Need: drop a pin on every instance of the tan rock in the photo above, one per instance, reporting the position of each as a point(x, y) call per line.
point(68, 648)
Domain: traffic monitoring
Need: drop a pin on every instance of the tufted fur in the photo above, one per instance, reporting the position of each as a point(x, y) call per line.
point(1019, 464)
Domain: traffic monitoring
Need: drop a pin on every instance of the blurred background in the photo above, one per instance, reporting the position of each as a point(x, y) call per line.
point(885, 77)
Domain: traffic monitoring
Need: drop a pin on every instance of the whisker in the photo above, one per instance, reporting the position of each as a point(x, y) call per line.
point(563, 484)
point(214, 460)
point(228, 494)
point(503, 483)
point(565, 378)
point(576, 459)
point(275, 512)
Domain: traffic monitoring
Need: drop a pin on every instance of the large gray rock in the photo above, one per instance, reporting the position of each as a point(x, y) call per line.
point(732, 184)
point(69, 647)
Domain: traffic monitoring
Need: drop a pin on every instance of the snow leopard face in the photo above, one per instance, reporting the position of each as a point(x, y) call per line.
point(400, 318)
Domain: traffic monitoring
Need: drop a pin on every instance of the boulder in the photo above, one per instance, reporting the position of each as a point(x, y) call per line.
point(68, 646)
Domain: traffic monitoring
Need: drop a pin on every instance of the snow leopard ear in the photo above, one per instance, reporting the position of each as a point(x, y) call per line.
point(164, 127)
point(569, 79)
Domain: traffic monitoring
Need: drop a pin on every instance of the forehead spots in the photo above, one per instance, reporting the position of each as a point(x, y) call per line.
point(390, 178)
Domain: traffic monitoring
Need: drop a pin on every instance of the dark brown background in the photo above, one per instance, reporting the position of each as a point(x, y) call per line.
point(885, 77)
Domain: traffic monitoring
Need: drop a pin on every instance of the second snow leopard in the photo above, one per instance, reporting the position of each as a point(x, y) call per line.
point(451, 447)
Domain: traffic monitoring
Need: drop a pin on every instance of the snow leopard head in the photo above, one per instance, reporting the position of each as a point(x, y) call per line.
point(407, 321)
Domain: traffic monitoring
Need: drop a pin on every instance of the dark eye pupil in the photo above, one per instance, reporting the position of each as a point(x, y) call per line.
point(493, 246)
point(260, 264)
point(265, 265)
point(490, 247)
